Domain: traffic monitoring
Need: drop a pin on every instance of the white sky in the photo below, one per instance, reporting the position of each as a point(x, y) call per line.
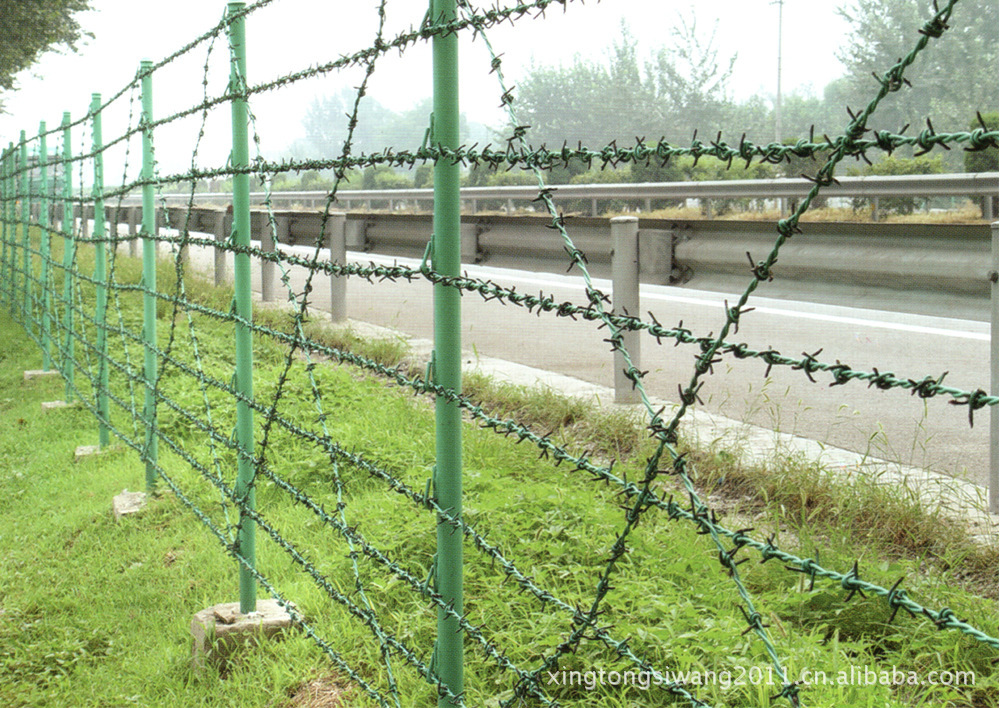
point(292, 34)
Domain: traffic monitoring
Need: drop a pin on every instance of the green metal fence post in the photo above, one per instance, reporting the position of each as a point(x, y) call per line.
point(447, 355)
point(25, 237)
point(5, 254)
point(69, 255)
point(45, 239)
point(9, 227)
point(244, 313)
point(150, 453)
point(100, 275)
point(10, 201)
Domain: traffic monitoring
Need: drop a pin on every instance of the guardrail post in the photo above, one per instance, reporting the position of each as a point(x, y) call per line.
point(25, 231)
point(69, 256)
point(625, 298)
point(100, 275)
point(282, 225)
point(336, 241)
point(134, 224)
point(994, 484)
point(447, 361)
point(244, 491)
point(149, 223)
point(223, 227)
point(45, 244)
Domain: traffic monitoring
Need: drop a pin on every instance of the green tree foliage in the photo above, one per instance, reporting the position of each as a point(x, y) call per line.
point(29, 28)
point(325, 125)
point(384, 177)
point(681, 87)
point(984, 160)
point(955, 76)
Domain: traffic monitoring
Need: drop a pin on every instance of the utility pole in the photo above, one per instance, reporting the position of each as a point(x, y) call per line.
point(777, 100)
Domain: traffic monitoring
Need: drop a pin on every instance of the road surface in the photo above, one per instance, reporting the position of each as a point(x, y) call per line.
point(892, 425)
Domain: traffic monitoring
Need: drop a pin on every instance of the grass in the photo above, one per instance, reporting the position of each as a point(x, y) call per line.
point(96, 613)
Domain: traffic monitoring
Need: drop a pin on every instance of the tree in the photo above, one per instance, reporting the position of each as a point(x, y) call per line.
point(953, 77)
point(379, 127)
point(30, 28)
point(689, 81)
point(669, 95)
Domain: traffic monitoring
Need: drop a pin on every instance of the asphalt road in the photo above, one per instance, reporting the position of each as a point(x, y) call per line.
point(892, 425)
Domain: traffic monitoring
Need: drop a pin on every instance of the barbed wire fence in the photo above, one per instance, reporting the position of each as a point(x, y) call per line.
point(66, 311)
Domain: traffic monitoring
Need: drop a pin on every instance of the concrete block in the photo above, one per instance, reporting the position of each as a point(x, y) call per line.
point(127, 503)
point(220, 631)
point(85, 451)
point(38, 373)
point(56, 405)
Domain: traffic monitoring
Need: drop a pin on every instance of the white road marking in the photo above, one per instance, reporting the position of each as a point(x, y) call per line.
point(665, 294)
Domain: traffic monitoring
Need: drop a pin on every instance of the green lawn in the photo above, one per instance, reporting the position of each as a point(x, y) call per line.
point(97, 613)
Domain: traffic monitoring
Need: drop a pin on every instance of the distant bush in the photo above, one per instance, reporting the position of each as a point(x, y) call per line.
point(892, 165)
point(423, 176)
point(384, 178)
point(598, 176)
point(987, 160)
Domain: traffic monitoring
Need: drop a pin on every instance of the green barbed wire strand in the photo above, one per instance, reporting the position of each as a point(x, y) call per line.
point(138, 446)
point(271, 414)
point(180, 287)
point(850, 581)
point(321, 418)
point(494, 16)
point(301, 498)
point(219, 482)
point(508, 427)
point(895, 596)
point(891, 81)
point(211, 34)
point(645, 495)
point(374, 626)
point(112, 274)
point(842, 373)
point(611, 155)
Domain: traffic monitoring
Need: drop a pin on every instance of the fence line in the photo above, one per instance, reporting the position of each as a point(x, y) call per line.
point(35, 301)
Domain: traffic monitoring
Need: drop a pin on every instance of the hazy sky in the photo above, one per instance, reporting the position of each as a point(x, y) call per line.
point(292, 34)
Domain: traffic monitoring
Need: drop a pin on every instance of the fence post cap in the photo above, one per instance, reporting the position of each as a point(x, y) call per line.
point(623, 219)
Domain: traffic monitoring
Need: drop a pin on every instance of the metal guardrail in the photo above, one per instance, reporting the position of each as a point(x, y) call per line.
point(969, 184)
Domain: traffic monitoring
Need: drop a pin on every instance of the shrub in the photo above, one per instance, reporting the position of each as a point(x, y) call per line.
point(892, 165)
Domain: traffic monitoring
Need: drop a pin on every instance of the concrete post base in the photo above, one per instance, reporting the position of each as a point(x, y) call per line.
point(86, 451)
point(37, 373)
point(127, 503)
point(219, 631)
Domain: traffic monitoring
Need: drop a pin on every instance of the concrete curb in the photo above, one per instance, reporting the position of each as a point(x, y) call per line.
point(750, 444)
